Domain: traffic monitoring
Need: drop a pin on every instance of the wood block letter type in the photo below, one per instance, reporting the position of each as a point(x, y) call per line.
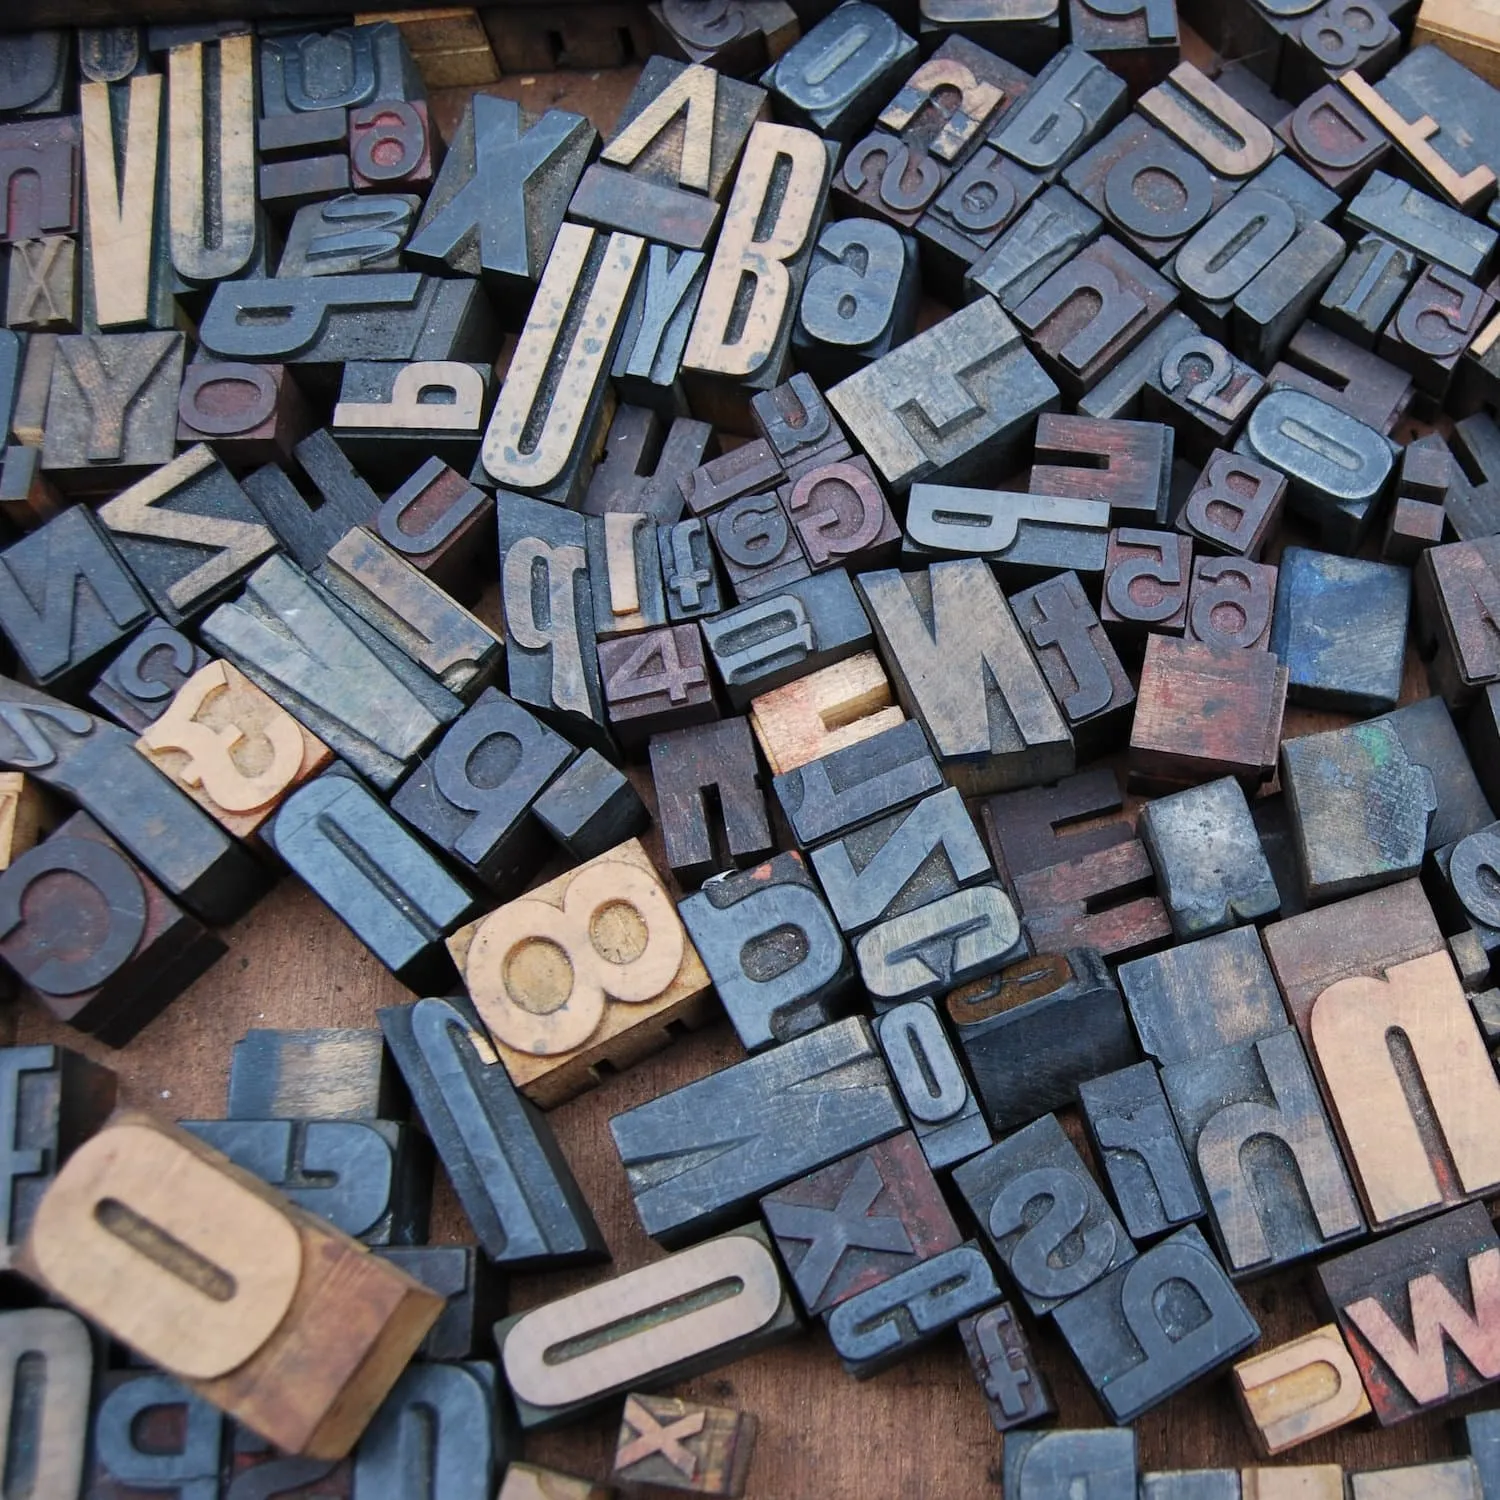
point(46, 1373)
point(962, 666)
point(1299, 1390)
point(684, 1445)
point(260, 1308)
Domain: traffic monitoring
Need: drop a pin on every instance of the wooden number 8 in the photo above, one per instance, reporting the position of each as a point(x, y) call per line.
point(541, 975)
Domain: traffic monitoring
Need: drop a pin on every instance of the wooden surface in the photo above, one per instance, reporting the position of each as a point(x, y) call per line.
point(920, 1430)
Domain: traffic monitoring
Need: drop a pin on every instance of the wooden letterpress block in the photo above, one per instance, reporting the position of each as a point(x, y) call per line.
point(859, 1222)
point(772, 220)
point(1426, 1279)
point(1467, 868)
point(1022, 537)
point(1204, 392)
point(512, 1179)
point(96, 766)
point(366, 700)
point(1429, 474)
point(1299, 1390)
point(1072, 102)
point(303, 158)
point(1341, 374)
point(966, 218)
point(849, 787)
point(1235, 505)
point(1147, 579)
point(549, 419)
point(110, 54)
point(757, 546)
point(448, 46)
point(51, 1101)
point(589, 36)
point(1334, 139)
point(1037, 1029)
point(690, 574)
point(252, 414)
point(474, 1291)
point(553, 667)
point(150, 1434)
point(323, 321)
point(1134, 159)
point(945, 1114)
point(329, 1073)
point(685, 765)
point(27, 499)
point(391, 146)
point(1049, 232)
point(772, 949)
point(900, 409)
point(372, 1179)
point(1364, 293)
point(948, 942)
point(26, 814)
point(527, 1481)
point(1085, 887)
point(1078, 661)
point(412, 612)
point(1360, 984)
point(1458, 594)
point(793, 418)
point(1289, 1204)
point(112, 409)
point(684, 1445)
point(687, 1174)
point(644, 458)
point(472, 796)
point(840, 516)
point(902, 861)
point(1088, 313)
point(316, 1329)
point(1127, 464)
point(390, 416)
point(1294, 1482)
point(1426, 731)
point(553, 1052)
point(573, 1355)
point(348, 234)
point(889, 1322)
point(1431, 230)
point(591, 807)
point(1039, 1464)
point(387, 889)
point(189, 533)
point(1211, 123)
point(750, 469)
point(666, 183)
point(1340, 627)
point(1193, 1000)
point(440, 523)
point(308, 529)
point(49, 1354)
point(1076, 1240)
point(37, 73)
point(834, 78)
point(1360, 808)
point(655, 681)
point(1208, 859)
point(1434, 324)
point(1453, 1479)
point(1120, 393)
point(1202, 713)
point(1015, 1389)
point(1476, 1434)
point(1140, 43)
point(43, 153)
point(737, 37)
point(1136, 1143)
point(624, 574)
point(213, 226)
point(1268, 311)
point(962, 667)
point(231, 748)
point(42, 291)
point(648, 362)
point(67, 601)
point(812, 623)
point(859, 301)
point(1341, 37)
point(826, 710)
point(341, 68)
point(1230, 603)
point(1136, 1358)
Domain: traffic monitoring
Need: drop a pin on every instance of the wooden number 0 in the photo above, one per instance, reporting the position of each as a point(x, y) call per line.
point(540, 975)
